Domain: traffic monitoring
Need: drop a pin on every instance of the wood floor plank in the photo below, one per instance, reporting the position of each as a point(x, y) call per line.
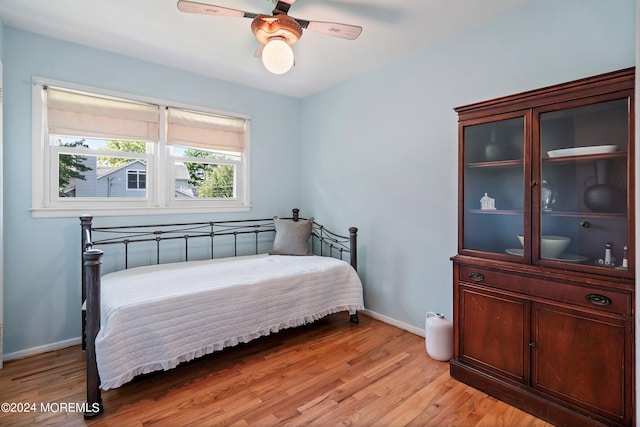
point(328, 373)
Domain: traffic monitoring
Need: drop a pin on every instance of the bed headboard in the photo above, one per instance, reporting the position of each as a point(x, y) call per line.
point(231, 237)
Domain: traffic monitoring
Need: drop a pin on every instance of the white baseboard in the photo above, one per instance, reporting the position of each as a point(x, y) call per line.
point(393, 322)
point(75, 341)
point(41, 349)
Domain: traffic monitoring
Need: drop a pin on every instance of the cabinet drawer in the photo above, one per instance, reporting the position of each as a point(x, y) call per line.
point(568, 291)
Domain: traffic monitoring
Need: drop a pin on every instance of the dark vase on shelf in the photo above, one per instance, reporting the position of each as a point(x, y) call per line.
point(494, 150)
point(603, 196)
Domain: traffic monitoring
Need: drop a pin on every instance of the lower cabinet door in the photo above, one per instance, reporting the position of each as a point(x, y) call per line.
point(583, 359)
point(493, 332)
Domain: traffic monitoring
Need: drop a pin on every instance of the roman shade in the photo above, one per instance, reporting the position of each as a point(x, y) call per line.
point(205, 131)
point(76, 113)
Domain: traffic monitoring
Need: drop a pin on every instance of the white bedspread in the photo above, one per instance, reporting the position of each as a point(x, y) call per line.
point(155, 317)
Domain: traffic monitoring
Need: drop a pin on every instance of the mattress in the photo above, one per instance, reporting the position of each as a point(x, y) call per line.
point(155, 317)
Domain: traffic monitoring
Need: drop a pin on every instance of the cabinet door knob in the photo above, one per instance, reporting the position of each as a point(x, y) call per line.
point(585, 224)
point(598, 299)
point(476, 277)
point(532, 344)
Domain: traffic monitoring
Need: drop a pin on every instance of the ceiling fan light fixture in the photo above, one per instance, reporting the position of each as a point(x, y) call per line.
point(277, 56)
point(277, 32)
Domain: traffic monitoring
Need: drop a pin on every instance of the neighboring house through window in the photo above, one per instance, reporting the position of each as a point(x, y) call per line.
point(97, 151)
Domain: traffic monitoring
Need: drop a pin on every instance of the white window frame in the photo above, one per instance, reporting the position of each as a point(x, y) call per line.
point(137, 173)
point(160, 173)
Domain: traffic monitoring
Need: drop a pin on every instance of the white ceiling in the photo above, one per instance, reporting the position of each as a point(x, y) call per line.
point(223, 47)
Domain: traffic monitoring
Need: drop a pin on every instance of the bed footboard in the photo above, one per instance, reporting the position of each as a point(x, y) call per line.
point(323, 242)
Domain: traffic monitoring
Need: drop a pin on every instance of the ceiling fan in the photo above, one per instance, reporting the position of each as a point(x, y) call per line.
point(276, 32)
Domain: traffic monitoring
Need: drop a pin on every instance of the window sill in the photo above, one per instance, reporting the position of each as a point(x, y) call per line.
point(133, 211)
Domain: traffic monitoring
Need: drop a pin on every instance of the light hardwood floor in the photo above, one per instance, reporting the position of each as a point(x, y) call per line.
point(324, 374)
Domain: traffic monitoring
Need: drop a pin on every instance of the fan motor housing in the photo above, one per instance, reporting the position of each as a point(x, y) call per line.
point(265, 27)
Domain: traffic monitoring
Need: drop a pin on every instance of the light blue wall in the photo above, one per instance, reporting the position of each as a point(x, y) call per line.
point(380, 150)
point(1, 38)
point(41, 278)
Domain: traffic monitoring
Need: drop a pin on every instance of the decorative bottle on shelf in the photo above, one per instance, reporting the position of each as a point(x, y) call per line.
point(607, 254)
point(548, 195)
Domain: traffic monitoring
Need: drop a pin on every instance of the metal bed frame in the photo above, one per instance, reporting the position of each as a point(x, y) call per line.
point(238, 234)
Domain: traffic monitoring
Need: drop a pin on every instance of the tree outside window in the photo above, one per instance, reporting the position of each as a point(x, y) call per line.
point(71, 167)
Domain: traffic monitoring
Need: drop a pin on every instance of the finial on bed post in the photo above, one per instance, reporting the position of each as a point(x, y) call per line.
point(91, 270)
point(85, 236)
point(296, 214)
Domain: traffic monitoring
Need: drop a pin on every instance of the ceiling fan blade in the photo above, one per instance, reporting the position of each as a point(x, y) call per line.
point(343, 31)
point(209, 9)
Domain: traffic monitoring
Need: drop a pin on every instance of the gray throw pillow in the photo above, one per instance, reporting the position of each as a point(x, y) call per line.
point(292, 238)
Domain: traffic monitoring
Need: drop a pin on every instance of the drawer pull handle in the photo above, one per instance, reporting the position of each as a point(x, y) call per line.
point(476, 277)
point(598, 299)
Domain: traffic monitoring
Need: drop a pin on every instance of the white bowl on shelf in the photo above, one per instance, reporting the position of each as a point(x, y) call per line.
point(551, 245)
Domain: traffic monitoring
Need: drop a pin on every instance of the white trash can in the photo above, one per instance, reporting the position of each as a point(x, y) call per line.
point(438, 336)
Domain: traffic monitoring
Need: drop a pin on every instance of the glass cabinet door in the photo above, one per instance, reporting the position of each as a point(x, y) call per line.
point(582, 197)
point(493, 186)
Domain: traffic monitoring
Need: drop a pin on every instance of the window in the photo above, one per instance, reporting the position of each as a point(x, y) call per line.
point(136, 179)
point(206, 150)
point(111, 153)
point(91, 170)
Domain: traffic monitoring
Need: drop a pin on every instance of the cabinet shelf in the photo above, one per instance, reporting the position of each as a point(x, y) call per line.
point(496, 211)
point(496, 164)
point(586, 214)
point(549, 161)
point(581, 214)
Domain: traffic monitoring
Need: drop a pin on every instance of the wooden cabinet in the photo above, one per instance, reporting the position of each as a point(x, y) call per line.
point(544, 279)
